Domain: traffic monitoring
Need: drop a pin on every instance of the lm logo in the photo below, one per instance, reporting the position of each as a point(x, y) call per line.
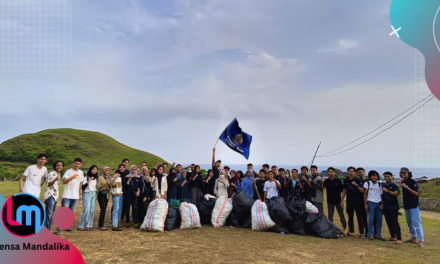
point(23, 215)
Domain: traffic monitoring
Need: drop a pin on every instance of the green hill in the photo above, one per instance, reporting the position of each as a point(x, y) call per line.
point(67, 144)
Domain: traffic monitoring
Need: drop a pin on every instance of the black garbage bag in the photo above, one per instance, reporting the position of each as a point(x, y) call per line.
point(297, 211)
point(242, 205)
point(171, 218)
point(247, 223)
point(318, 225)
point(278, 210)
point(178, 219)
point(278, 228)
point(205, 210)
point(232, 220)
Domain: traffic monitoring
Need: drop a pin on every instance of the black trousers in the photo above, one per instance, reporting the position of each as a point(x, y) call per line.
point(391, 217)
point(320, 207)
point(143, 207)
point(365, 220)
point(331, 212)
point(133, 202)
point(103, 201)
point(359, 209)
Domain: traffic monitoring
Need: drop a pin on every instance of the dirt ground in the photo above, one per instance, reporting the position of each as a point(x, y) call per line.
point(235, 245)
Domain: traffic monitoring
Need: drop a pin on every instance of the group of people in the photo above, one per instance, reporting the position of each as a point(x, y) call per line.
point(133, 187)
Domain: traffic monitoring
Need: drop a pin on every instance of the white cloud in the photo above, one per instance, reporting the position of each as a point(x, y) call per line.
point(343, 47)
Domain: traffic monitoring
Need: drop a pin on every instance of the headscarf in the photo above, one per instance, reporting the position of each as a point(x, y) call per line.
point(159, 177)
point(103, 171)
point(248, 185)
point(239, 175)
point(171, 176)
point(131, 168)
point(147, 177)
point(90, 174)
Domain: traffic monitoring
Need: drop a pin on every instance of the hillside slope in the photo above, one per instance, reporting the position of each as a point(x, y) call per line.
point(67, 144)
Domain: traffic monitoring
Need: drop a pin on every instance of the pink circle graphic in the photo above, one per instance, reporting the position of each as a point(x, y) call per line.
point(63, 217)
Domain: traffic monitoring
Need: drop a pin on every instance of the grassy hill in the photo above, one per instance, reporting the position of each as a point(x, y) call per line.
point(67, 144)
point(429, 190)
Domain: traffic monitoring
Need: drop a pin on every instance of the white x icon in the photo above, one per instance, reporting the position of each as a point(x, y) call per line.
point(395, 31)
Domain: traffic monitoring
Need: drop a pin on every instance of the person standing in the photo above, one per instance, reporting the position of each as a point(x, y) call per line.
point(161, 184)
point(391, 208)
point(232, 183)
point(373, 204)
point(284, 181)
point(131, 196)
point(208, 184)
point(215, 165)
point(103, 186)
point(295, 188)
point(411, 205)
point(334, 189)
point(124, 173)
point(271, 187)
point(259, 186)
point(266, 171)
point(354, 192)
point(183, 188)
point(172, 185)
point(89, 199)
point(72, 180)
point(35, 176)
point(361, 173)
point(144, 199)
point(221, 185)
point(51, 196)
point(315, 184)
point(117, 198)
point(196, 186)
point(248, 183)
point(307, 193)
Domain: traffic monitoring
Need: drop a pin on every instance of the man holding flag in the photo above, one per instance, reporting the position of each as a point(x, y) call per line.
point(235, 139)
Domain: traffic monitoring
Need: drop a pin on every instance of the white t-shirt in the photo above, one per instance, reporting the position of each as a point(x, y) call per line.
point(91, 187)
point(374, 192)
point(71, 189)
point(271, 189)
point(34, 175)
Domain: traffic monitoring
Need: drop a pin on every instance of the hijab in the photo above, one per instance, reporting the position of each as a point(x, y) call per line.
point(171, 176)
point(248, 184)
point(147, 177)
point(103, 171)
point(159, 177)
point(131, 173)
point(90, 174)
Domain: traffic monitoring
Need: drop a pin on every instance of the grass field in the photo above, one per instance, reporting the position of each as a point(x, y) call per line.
point(235, 245)
point(429, 190)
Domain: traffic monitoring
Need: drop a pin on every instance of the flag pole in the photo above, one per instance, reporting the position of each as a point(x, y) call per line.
point(316, 152)
point(223, 131)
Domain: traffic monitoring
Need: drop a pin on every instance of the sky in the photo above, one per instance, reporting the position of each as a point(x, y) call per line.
point(168, 76)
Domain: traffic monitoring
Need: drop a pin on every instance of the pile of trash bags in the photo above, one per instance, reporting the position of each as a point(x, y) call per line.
point(298, 217)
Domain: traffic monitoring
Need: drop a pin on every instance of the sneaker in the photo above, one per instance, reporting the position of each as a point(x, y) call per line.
point(362, 236)
point(71, 230)
point(59, 232)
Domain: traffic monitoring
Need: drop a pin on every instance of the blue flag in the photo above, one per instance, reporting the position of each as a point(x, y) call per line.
point(236, 139)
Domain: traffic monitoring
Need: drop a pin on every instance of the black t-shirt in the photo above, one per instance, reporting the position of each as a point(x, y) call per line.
point(353, 194)
point(389, 201)
point(283, 191)
point(295, 192)
point(216, 172)
point(334, 188)
point(410, 201)
point(260, 187)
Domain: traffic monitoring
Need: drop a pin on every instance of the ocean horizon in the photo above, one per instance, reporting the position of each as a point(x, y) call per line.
point(417, 173)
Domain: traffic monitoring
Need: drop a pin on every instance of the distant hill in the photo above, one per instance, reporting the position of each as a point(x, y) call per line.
point(67, 144)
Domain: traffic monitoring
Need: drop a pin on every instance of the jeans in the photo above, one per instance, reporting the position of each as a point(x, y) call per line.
point(115, 212)
point(121, 206)
point(319, 206)
point(133, 202)
point(391, 217)
point(89, 201)
point(50, 209)
point(102, 201)
point(359, 209)
point(331, 211)
point(71, 203)
point(374, 213)
point(414, 223)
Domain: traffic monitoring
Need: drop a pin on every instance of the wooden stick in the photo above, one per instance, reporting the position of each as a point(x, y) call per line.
point(316, 152)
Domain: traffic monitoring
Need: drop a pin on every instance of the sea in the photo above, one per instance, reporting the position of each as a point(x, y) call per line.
point(417, 173)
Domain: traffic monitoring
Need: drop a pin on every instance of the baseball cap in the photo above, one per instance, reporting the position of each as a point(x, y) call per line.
point(404, 169)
